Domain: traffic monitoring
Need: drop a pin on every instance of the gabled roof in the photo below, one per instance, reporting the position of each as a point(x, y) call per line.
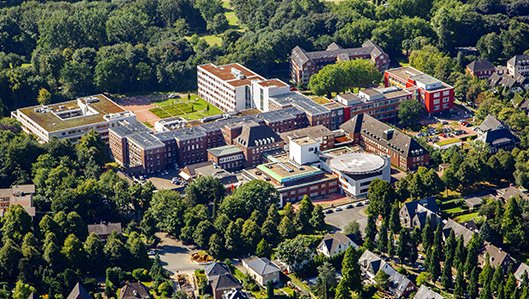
point(103, 229)
point(79, 292)
point(490, 123)
point(331, 242)
point(480, 66)
point(497, 256)
point(512, 191)
point(517, 59)
point(134, 290)
point(262, 266)
point(458, 229)
point(375, 129)
point(522, 270)
point(216, 269)
point(256, 134)
point(225, 282)
point(498, 137)
point(415, 206)
point(425, 292)
point(224, 150)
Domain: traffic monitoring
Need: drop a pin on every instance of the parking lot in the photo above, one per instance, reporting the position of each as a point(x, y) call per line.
point(340, 219)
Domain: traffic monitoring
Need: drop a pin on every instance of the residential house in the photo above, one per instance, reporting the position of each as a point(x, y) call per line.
point(496, 256)
point(377, 137)
point(103, 229)
point(458, 229)
point(399, 285)
point(481, 69)
point(513, 83)
point(20, 195)
point(518, 65)
point(134, 290)
point(511, 191)
point(416, 213)
point(524, 106)
point(304, 64)
point(262, 270)
point(79, 292)
point(223, 283)
point(333, 245)
point(521, 272)
point(473, 203)
point(492, 132)
point(235, 294)
point(425, 292)
point(216, 269)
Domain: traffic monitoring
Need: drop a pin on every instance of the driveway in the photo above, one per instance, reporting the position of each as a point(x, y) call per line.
point(176, 257)
point(341, 219)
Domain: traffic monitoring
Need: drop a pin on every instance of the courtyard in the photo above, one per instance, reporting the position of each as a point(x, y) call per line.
point(190, 107)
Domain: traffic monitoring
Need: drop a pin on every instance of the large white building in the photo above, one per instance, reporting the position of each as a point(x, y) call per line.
point(72, 119)
point(356, 171)
point(227, 86)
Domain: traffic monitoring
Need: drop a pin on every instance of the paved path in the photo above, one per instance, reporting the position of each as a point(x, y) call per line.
point(175, 256)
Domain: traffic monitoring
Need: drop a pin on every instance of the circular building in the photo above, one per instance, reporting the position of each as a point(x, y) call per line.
point(356, 171)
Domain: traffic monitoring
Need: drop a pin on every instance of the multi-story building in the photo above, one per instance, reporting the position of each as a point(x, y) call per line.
point(518, 65)
point(323, 135)
point(481, 69)
point(227, 86)
point(381, 103)
point(72, 119)
point(20, 195)
point(135, 148)
point(304, 64)
point(256, 139)
point(435, 95)
point(316, 113)
point(228, 157)
point(377, 137)
point(337, 114)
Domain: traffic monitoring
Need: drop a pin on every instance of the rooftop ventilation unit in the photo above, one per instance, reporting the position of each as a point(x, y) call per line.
point(237, 73)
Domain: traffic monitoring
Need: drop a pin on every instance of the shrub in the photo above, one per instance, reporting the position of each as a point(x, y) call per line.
point(141, 274)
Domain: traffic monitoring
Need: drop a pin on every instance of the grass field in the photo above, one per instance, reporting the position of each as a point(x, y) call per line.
point(195, 108)
point(467, 217)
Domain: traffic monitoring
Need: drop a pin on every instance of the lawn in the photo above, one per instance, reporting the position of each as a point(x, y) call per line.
point(194, 108)
point(467, 217)
point(448, 141)
point(321, 100)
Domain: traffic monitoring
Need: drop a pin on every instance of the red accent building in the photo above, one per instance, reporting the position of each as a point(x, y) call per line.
point(435, 95)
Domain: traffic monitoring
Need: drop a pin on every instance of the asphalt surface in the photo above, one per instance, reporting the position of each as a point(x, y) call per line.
point(341, 219)
point(175, 256)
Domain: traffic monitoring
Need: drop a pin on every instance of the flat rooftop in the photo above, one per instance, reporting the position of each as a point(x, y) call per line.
point(273, 83)
point(358, 163)
point(233, 74)
point(304, 140)
point(300, 101)
point(66, 115)
point(406, 73)
point(145, 140)
point(285, 170)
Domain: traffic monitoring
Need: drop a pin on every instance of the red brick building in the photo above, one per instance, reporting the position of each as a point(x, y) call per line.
point(435, 95)
point(481, 69)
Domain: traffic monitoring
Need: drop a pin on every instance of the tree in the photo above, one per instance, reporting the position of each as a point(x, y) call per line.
point(409, 112)
point(446, 276)
point(304, 214)
point(326, 281)
point(342, 290)
point(93, 247)
point(73, 251)
point(286, 228)
point(216, 246)
point(382, 280)
point(490, 46)
point(219, 24)
point(403, 245)
point(205, 190)
point(511, 226)
point(370, 232)
point(255, 195)
point(9, 257)
point(459, 288)
point(381, 196)
point(168, 208)
point(394, 219)
point(382, 239)
point(233, 237)
point(44, 97)
point(317, 220)
point(23, 290)
point(270, 289)
point(351, 269)
point(263, 249)
point(472, 283)
point(251, 234)
point(295, 252)
point(16, 223)
point(203, 232)
point(434, 264)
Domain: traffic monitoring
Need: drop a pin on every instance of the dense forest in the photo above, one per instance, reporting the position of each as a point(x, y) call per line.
point(78, 48)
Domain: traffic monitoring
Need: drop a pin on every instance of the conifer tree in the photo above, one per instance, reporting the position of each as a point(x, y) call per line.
point(473, 283)
point(382, 241)
point(446, 277)
point(459, 288)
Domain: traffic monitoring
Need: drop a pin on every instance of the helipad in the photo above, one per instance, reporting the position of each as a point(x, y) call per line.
point(358, 163)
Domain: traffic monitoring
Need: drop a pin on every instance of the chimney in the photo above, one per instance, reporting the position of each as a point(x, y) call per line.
point(388, 134)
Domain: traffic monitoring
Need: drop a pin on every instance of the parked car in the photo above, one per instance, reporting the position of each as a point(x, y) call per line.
point(359, 204)
point(349, 206)
point(338, 209)
point(151, 252)
point(329, 211)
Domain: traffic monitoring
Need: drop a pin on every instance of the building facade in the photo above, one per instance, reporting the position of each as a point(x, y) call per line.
point(304, 64)
point(435, 95)
point(72, 119)
point(379, 138)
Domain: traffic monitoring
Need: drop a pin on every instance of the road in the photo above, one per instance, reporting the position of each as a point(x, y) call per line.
point(175, 256)
point(341, 219)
